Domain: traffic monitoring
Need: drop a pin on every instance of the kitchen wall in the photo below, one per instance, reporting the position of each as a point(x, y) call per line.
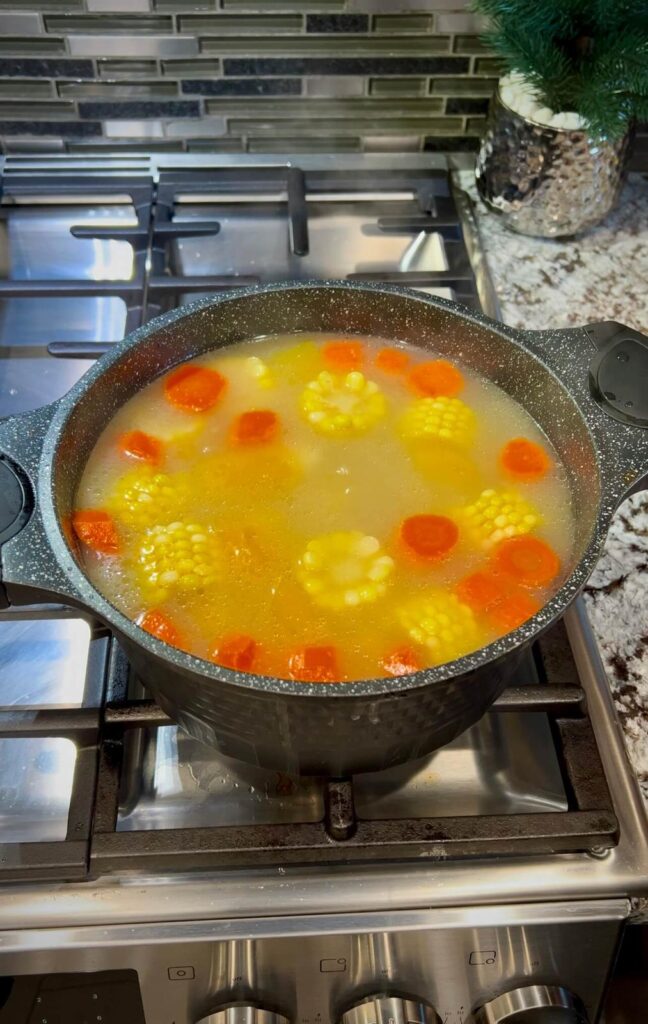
point(242, 75)
point(260, 76)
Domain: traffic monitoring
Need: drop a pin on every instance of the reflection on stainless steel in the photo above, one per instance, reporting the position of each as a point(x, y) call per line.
point(184, 784)
point(243, 1014)
point(36, 243)
point(384, 1009)
point(35, 788)
point(506, 764)
point(43, 661)
point(344, 239)
point(533, 1003)
point(27, 373)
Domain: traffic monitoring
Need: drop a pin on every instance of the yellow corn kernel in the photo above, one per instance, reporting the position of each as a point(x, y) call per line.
point(143, 498)
point(448, 419)
point(178, 557)
point(497, 515)
point(259, 371)
point(296, 364)
point(345, 569)
point(442, 624)
point(342, 405)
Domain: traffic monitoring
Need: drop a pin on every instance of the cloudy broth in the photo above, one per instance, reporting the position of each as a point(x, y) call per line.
point(324, 508)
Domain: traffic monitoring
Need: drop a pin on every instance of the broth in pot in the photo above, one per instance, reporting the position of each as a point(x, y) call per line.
point(324, 508)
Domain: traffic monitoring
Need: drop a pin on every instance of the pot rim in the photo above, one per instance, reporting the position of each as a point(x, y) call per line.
point(214, 674)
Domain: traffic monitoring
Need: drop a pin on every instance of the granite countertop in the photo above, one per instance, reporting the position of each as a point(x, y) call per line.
point(603, 275)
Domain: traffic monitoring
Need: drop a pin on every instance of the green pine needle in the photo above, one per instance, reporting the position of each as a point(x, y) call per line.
point(590, 56)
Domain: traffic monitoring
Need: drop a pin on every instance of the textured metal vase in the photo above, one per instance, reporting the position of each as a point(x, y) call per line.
point(549, 182)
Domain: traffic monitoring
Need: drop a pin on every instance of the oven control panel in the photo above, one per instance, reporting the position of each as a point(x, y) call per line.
point(511, 971)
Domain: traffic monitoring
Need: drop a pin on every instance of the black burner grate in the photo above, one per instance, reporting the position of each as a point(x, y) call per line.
point(342, 836)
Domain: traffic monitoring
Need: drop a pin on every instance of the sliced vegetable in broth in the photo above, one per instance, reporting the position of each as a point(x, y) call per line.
point(324, 509)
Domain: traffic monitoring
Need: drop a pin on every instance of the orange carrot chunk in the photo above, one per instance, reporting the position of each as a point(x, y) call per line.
point(481, 591)
point(255, 427)
point(343, 355)
point(96, 529)
point(237, 651)
point(160, 625)
point(524, 460)
point(528, 560)
point(513, 610)
point(436, 377)
point(401, 662)
point(194, 388)
point(392, 360)
point(135, 444)
point(429, 536)
point(314, 665)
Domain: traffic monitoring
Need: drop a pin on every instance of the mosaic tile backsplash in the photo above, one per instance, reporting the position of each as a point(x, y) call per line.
point(258, 76)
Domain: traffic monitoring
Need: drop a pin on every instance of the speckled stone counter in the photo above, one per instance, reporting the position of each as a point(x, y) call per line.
point(601, 276)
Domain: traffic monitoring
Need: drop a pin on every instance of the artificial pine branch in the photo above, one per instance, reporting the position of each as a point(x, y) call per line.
point(590, 56)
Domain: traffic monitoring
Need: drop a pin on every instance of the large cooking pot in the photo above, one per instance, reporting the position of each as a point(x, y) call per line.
point(586, 387)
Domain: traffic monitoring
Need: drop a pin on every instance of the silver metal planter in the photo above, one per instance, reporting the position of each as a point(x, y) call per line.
point(549, 182)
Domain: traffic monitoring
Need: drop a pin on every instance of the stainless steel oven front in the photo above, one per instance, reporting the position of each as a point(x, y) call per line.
point(536, 963)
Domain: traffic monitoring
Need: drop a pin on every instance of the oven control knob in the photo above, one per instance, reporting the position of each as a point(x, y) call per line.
point(243, 1013)
point(386, 1009)
point(535, 1004)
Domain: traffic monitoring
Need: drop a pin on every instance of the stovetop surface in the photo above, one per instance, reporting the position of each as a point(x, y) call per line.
point(93, 778)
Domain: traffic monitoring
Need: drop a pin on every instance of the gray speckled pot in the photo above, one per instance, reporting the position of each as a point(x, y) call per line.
point(559, 376)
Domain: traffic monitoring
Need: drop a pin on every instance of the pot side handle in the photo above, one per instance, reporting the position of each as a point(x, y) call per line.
point(607, 363)
point(29, 570)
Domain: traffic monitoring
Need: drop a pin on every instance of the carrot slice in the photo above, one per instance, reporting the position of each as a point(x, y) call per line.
point(513, 610)
point(135, 444)
point(392, 360)
point(524, 459)
point(528, 560)
point(436, 377)
point(314, 665)
point(401, 662)
point(482, 591)
point(160, 625)
point(258, 426)
point(194, 388)
point(237, 651)
point(343, 355)
point(96, 529)
point(429, 536)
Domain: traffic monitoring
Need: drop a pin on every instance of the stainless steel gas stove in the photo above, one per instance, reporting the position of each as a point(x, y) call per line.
point(143, 878)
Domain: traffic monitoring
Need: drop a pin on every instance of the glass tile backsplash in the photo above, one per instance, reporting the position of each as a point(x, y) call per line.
point(243, 75)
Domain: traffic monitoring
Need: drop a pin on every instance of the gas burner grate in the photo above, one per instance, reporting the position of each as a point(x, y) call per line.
point(342, 836)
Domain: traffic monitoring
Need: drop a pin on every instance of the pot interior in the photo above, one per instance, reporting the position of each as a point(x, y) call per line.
point(390, 314)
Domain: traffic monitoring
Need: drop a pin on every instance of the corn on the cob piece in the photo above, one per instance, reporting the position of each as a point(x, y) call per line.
point(342, 405)
point(344, 569)
point(497, 515)
point(143, 498)
point(178, 557)
point(448, 419)
point(439, 621)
